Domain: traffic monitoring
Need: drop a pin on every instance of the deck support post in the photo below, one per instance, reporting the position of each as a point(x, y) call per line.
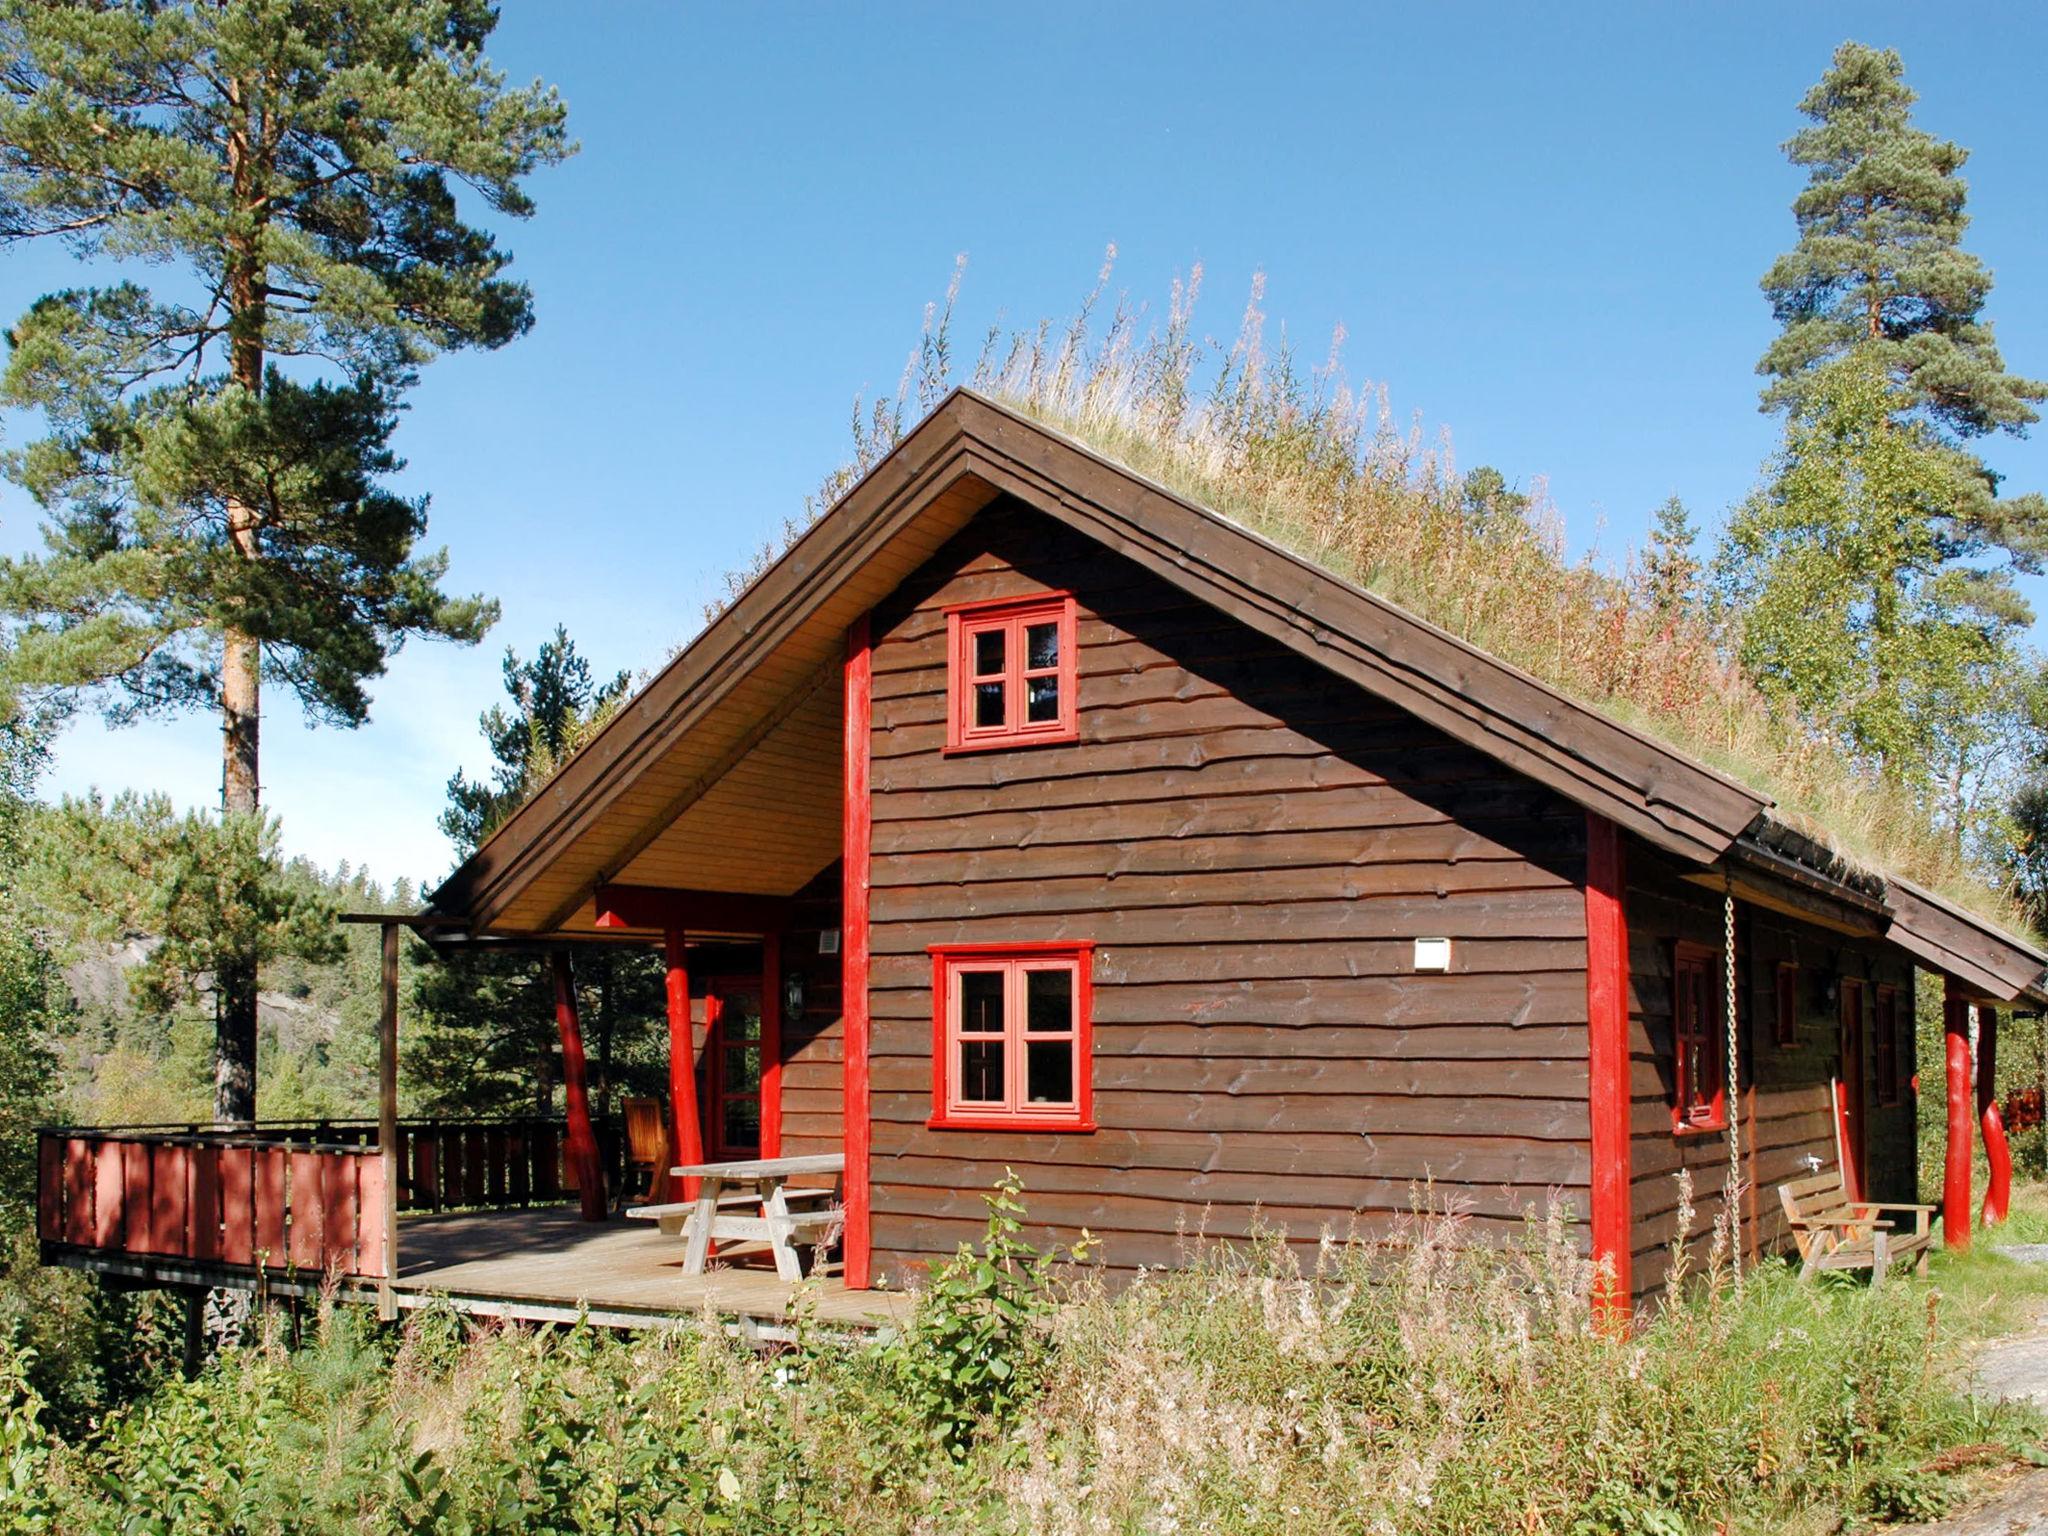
point(1607, 1065)
point(387, 1115)
point(687, 1136)
point(1955, 1184)
point(854, 874)
point(1997, 1152)
point(582, 1138)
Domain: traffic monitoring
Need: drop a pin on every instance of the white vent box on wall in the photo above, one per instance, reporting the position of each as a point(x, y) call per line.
point(1432, 954)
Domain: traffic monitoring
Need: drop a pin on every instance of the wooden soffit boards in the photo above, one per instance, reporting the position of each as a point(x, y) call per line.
point(705, 710)
point(1979, 954)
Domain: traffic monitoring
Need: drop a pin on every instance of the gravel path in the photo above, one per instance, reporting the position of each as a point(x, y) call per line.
point(2013, 1369)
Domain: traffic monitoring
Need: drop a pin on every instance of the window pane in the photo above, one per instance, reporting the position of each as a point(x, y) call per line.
point(981, 1002)
point(1049, 1072)
point(1042, 697)
point(988, 652)
point(740, 1017)
point(1041, 646)
point(743, 1123)
point(742, 1068)
point(1049, 1000)
point(988, 704)
point(981, 1071)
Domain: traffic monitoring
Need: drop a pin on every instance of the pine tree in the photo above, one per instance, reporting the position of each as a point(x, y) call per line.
point(1873, 575)
point(484, 1034)
point(214, 473)
point(556, 703)
point(1857, 605)
point(1880, 273)
point(1671, 568)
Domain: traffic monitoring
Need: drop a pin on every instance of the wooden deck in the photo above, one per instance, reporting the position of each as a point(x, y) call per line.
point(546, 1264)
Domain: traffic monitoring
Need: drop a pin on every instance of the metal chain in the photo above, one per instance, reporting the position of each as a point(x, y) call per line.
point(1734, 1115)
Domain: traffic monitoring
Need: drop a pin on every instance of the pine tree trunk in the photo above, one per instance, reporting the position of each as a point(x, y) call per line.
point(234, 1071)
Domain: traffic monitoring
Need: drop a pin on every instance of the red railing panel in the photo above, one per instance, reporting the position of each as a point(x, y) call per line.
point(135, 1196)
point(340, 1213)
point(237, 1205)
point(170, 1199)
point(547, 1164)
point(49, 1189)
point(494, 1165)
point(371, 1260)
point(205, 1215)
point(81, 1174)
point(306, 1245)
point(108, 1191)
point(267, 1196)
point(473, 1166)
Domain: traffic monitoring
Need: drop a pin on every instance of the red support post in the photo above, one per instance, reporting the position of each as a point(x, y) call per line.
point(1607, 1061)
point(854, 871)
point(1997, 1152)
point(582, 1139)
point(1955, 1184)
point(687, 1136)
point(771, 1045)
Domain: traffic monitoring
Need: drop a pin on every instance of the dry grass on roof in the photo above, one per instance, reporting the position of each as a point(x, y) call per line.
point(1296, 454)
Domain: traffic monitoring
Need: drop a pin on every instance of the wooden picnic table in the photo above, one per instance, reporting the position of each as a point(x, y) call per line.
point(724, 1190)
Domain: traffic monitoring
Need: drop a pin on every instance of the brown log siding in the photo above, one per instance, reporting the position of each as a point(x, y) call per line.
point(1253, 845)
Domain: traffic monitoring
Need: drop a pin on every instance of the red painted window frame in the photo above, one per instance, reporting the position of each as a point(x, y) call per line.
point(1885, 1045)
point(946, 1115)
point(1786, 1003)
point(1690, 1115)
point(966, 620)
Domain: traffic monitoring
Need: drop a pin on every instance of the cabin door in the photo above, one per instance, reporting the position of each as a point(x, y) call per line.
point(1852, 1105)
point(732, 1057)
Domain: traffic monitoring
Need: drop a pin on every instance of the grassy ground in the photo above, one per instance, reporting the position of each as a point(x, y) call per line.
point(1409, 1385)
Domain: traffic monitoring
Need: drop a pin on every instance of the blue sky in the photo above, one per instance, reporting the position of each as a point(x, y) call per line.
point(1542, 229)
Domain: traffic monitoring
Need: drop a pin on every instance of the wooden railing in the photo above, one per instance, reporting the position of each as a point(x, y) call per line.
point(304, 1195)
point(220, 1198)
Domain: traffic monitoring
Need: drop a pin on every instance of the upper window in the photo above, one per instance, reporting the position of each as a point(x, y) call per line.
point(1010, 1037)
point(1010, 673)
point(1887, 1045)
point(1787, 1001)
point(1701, 1099)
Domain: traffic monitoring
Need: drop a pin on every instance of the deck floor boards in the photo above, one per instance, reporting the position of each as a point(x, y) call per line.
point(548, 1254)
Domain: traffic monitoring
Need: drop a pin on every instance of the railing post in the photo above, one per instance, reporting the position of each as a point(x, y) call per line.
point(387, 1120)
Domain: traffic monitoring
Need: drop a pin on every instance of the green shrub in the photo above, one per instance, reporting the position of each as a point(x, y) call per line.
point(1408, 1381)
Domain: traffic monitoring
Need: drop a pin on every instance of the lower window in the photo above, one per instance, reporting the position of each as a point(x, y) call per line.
point(1010, 1037)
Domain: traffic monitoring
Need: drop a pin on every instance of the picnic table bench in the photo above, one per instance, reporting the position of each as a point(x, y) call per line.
point(753, 1201)
point(1835, 1232)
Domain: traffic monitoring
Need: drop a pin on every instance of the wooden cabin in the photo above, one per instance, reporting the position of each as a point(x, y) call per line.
point(1026, 815)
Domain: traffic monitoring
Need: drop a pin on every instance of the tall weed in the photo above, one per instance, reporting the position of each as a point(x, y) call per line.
point(1407, 1382)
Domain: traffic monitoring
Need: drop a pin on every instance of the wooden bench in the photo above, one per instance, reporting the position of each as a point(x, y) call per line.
point(1835, 1232)
point(785, 1213)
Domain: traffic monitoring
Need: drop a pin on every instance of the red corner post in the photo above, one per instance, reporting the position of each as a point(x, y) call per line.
point(1607, 1060)
point(1955, 1183)
point(854, 874)
point(1997, 1153)
point(582, 1139)
point(686, 1136)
